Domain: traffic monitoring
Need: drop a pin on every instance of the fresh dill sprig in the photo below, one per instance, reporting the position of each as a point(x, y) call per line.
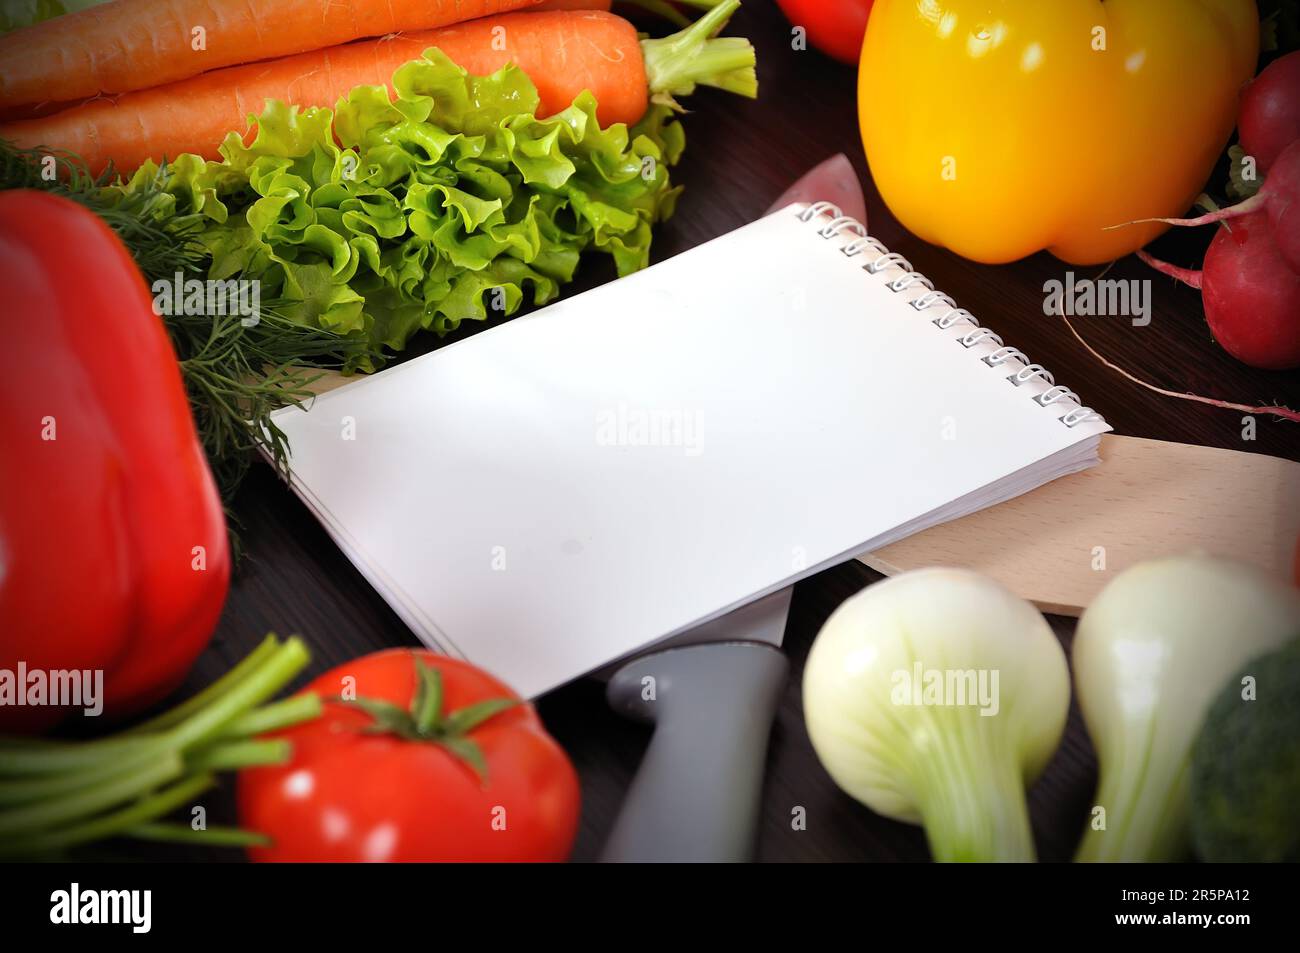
point(161, 244)
point(236, 373)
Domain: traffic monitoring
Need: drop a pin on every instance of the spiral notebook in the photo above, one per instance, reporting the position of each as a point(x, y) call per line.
point(609, 471)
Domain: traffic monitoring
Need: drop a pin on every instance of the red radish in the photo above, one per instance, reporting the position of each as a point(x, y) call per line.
point(1269, 120)
point(1279, 196)
point(1251, 295)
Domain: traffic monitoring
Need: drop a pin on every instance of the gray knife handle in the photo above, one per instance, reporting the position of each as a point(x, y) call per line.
point(696, 795)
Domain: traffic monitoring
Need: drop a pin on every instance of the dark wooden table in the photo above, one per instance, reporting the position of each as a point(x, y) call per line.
point(740, 157)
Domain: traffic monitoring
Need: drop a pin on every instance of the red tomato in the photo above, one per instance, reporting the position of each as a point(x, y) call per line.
point(835, 27)
point(351, 794)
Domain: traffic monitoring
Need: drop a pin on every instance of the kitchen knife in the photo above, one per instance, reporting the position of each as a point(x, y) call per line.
point(712, 694)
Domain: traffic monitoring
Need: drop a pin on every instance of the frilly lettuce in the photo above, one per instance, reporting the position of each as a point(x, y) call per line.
point(385, 216)
point(20, 13)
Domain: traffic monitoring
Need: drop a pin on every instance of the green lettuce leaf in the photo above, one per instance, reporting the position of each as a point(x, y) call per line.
point(21, 13)
point(383, 216)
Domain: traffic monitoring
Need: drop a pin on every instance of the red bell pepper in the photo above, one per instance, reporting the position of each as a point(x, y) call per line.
point(113, 546)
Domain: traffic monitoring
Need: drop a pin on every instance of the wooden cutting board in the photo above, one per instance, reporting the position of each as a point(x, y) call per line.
point(1058, 545)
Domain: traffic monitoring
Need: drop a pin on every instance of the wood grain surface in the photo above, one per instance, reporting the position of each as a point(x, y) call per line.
point(1059, 545)
point(740, 156)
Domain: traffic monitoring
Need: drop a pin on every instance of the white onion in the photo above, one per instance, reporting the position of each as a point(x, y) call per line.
point(959, 767)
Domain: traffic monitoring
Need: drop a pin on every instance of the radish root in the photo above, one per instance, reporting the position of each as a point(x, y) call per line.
point(1285, 413)
point(1187, 276)
point(1256, 201)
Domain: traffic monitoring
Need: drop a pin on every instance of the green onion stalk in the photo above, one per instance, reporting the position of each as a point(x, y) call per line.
point(56, 795)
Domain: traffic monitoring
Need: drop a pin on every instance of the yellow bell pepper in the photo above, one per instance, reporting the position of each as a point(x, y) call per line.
point(997, 128)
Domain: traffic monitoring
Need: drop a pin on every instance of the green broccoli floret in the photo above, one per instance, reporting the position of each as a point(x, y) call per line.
point(1245, 772)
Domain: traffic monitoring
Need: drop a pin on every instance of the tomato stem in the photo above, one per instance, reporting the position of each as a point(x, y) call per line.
point(424, 721)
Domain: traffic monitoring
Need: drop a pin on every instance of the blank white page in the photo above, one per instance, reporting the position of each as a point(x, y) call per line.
point(556, 492)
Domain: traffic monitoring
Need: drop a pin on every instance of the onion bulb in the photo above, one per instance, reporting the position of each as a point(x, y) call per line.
point(1151, 653)
point(933, 698)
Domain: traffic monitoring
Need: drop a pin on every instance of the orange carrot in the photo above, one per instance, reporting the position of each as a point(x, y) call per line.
point(576, 5)
point(663, 8)
point(562, 52)
point(135, 44)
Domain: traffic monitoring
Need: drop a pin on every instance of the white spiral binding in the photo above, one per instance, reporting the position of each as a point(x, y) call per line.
point(952, 315)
